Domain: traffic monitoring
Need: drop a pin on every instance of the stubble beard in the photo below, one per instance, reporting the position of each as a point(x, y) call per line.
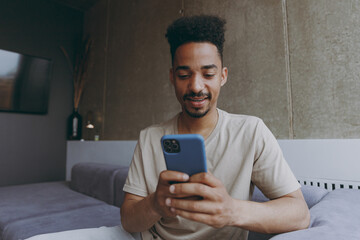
point(197, 113)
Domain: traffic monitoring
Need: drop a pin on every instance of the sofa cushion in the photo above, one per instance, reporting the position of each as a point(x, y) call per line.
point(258, 196)
point(86, 217)
point(25, 201)
point(120, 179)
point(312, 195)
point(336, 216)
point(95, 180)
point(340, 211)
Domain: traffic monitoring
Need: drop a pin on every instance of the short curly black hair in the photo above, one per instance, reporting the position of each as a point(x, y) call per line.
point(202, 28)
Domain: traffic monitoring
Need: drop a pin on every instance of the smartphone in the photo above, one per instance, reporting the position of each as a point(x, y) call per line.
point(184, 153)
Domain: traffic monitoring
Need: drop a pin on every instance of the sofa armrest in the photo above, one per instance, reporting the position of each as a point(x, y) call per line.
point(120, 179)
point(95, 180)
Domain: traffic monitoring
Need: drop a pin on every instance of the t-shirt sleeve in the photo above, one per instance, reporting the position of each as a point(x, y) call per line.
point(135, 182)
point(271, 173)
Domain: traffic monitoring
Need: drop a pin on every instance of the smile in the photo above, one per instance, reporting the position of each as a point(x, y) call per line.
point(196, 99)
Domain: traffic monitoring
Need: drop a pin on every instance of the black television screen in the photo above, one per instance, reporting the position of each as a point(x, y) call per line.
point(24, 83)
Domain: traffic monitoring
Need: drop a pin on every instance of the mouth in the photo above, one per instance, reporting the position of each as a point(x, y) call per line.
point(193, 97)
point(197, 101)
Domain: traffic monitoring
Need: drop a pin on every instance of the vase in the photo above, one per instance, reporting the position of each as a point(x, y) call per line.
point(74, 126)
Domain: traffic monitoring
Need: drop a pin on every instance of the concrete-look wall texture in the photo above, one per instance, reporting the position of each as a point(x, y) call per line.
point(295, 64)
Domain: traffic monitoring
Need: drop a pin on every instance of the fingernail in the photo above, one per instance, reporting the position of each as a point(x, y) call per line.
point(172, 189)
point(185, 177)
point(172, 209)
point(168, 202)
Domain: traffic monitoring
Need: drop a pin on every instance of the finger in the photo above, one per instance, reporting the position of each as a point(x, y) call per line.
point(203, 206)
point(208, 219)
point(172, 176)
point(178, 194)
point(192, 189)
point(205, 178)
point(185, 196)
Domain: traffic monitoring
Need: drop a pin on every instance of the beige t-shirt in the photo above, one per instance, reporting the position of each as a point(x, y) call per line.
point(241, 151)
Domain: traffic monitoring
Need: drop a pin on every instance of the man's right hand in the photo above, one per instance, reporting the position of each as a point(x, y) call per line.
point(141, 213)
point(166, 178)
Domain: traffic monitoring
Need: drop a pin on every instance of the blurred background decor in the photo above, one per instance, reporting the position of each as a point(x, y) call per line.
point(79, 72)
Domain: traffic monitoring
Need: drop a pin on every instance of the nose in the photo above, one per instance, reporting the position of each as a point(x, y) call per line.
point(196, 83)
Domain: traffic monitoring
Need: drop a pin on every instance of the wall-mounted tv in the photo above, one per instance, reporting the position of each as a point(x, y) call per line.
point(24, 83)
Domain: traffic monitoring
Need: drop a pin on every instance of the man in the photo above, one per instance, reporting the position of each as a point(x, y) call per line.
point(241, 152)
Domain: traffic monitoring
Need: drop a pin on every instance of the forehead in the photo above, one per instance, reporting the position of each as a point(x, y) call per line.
point(194, 54)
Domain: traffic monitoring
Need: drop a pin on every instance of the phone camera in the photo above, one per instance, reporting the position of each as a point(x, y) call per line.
point(175, 147)
point(171, 146)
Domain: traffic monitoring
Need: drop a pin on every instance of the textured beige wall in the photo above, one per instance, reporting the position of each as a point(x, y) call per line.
point(324, 40)
point(128, 86)
point(255, 55)
point(292, 63)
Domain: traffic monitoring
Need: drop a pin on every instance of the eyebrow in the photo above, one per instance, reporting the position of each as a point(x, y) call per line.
point(209, 66)
point(182, 68)
point(203, 67)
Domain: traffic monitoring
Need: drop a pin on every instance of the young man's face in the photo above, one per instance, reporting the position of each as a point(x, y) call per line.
point(197, 76)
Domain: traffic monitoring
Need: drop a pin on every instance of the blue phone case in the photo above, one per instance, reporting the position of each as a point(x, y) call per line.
point(184, 153)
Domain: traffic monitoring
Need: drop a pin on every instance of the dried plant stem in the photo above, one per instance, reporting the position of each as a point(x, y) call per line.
point(67, 58)
point(80, 69)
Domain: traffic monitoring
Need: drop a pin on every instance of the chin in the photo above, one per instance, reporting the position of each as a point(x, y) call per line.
point(197, 113)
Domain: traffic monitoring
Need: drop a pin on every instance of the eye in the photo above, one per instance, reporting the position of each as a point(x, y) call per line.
point(209, 75)
point(183, 76)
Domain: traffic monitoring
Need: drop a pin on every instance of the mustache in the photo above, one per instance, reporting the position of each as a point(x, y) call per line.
point(199, 94)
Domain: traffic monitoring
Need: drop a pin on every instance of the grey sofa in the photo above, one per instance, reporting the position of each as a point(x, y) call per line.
point(93, 197)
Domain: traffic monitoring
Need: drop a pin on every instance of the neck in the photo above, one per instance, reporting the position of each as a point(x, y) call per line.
point(204, 125)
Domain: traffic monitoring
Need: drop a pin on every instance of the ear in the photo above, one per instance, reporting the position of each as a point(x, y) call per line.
point(171, 76)
point(224, 74)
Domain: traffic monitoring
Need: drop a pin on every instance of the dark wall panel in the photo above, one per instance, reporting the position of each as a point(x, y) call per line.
point(33, 147)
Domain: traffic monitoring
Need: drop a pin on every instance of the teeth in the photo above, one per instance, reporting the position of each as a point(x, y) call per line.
point(197, 100)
